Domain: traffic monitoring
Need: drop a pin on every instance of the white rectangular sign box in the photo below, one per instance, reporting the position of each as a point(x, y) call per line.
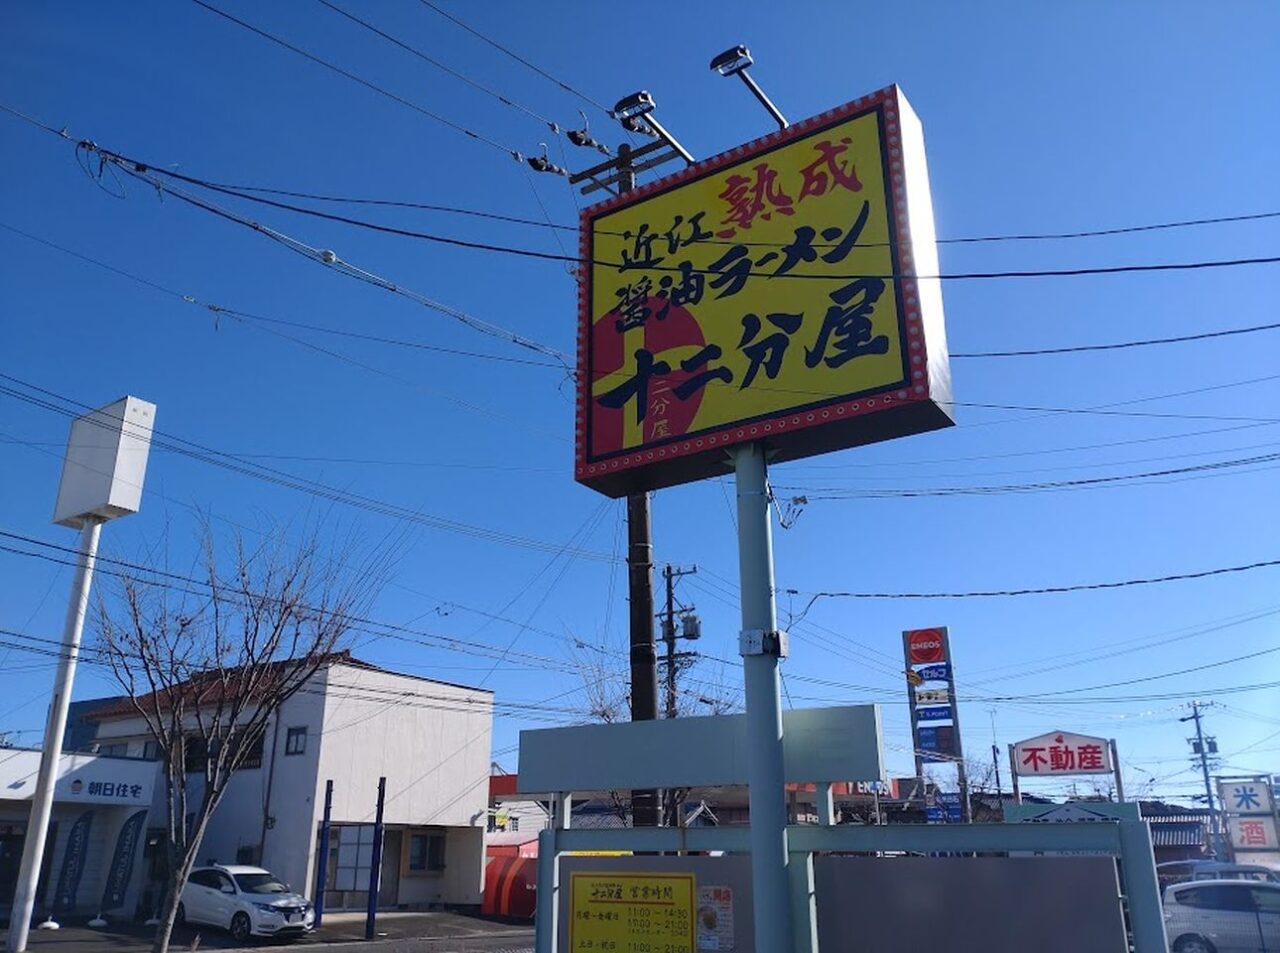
point(1246, 797)
point(1253, 833)
point(818, 744)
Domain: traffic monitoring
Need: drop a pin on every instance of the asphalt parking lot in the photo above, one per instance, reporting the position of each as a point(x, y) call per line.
point(435, 932)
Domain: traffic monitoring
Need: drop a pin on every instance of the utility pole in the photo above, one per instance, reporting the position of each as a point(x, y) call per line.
point(619, 173)
point(995, 755)
point(1200, 746)
point(671, 797)
point(669, 636)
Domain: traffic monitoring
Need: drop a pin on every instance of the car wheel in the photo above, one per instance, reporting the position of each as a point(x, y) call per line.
point(180, 917)
point(241, 928)
point(1193, 944)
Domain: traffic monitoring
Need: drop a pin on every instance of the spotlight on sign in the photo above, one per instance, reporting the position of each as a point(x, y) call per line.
point(734, 62)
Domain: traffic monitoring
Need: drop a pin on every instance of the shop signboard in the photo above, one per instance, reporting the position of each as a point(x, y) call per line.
point(783, 292)
point(1062, 753)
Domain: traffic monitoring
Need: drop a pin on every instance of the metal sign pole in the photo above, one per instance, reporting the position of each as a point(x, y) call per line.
point(24, 898)
point(322, 860)
point(762, 646)
point(1115, 765)
point(1013, 773)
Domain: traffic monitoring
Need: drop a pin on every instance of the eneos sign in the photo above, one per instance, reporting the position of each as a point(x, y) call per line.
point(784, 291)
point(926, 646)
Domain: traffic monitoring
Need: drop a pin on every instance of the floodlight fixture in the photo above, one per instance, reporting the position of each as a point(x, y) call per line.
point(637, 104)
point(734, 62)
point(635, 113)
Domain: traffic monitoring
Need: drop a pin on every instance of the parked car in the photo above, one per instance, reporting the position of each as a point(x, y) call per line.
point(248, 901)
point(1179, 871)
point(1222, 916)
point(1211, 870)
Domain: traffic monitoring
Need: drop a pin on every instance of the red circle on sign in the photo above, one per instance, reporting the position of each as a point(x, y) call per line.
point(925, 646)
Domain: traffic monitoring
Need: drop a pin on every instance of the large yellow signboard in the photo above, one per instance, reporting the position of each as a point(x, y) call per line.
point(631, 912)
point(783, 292)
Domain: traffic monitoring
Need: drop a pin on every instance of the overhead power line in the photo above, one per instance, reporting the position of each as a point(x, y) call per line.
point(551, 124)
point(1120, 345)
point(150, 172)
point(291, 481)
point(838, 493)
point(520, 59)
point(221, 310)
point(161, 578)
point(1040, 591)
point(566, 227)
point(322, 256)
point(435, 117)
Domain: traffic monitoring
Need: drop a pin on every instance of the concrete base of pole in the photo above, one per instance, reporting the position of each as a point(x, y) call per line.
point(97, 922)
point(48, 925)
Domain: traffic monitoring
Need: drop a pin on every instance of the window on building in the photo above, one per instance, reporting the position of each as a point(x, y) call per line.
point(151, 750)
point(426, 852)
point(118, 749)
point(198, 753)
point(295, 741)
point(253, 756)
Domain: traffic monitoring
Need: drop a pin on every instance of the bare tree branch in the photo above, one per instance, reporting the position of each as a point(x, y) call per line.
point(207, 672)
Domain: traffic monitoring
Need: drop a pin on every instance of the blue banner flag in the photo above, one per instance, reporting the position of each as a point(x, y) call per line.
point(64, 898)
point(121, 868)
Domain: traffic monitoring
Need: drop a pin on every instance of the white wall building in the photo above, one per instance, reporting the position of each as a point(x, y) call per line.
point(353, 723)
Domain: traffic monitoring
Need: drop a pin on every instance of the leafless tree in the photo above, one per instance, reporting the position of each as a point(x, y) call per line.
point(207, 665)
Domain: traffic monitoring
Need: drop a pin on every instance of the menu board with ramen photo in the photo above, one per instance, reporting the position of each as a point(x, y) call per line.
point(715, 920)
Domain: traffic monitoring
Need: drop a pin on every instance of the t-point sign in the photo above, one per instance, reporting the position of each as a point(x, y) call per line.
point(926, 646)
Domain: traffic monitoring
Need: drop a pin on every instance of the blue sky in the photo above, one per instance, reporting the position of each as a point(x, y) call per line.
point(1037, 119)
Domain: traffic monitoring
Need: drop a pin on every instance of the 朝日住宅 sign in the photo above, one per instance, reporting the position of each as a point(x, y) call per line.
point(1061, 752)
point(1252, 833)
point(784, 291)
point(1246, 797)
point(631, 911)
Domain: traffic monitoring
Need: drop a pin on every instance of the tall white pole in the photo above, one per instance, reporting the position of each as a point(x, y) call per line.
point(761, 646)
point(24, 899)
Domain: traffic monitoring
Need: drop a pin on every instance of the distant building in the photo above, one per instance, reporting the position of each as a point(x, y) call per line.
point(351, 723)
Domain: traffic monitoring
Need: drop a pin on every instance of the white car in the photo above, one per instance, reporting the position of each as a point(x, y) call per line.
point(248, 901)
point(1222, 916)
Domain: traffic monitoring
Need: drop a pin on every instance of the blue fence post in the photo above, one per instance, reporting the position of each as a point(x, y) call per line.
point(375, 864)
point(1142, 888)
point(322, 862)
point(548, 896)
